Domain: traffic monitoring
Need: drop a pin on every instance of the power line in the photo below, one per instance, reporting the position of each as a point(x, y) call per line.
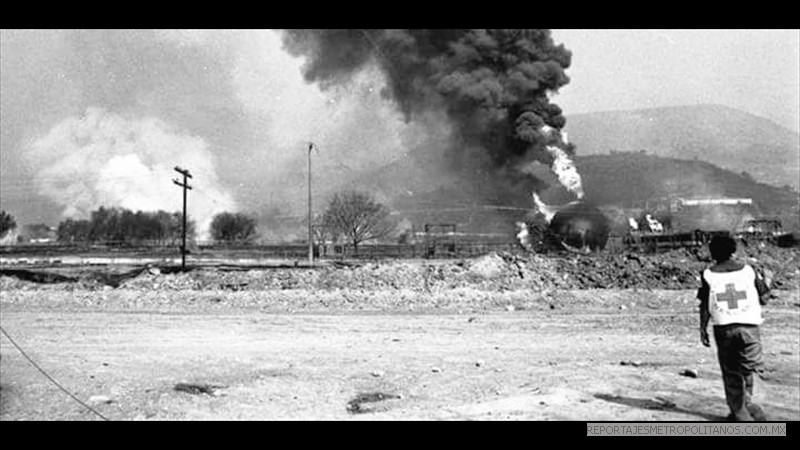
point(49, 377)
point(375, 45)
point(22, 186)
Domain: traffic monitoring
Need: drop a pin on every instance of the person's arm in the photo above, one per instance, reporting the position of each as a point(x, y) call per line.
point(705, 315)
point(763, 285)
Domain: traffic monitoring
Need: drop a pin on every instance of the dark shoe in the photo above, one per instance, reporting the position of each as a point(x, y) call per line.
point(743, 416)
point(757, 412)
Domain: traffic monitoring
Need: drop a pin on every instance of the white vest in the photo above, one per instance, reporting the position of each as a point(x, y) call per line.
point(733, 297)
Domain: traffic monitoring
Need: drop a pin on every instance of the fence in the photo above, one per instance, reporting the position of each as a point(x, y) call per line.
point(299, 251)
point(270, 251)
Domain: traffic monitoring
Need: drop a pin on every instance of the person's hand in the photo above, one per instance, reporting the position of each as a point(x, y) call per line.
point(768, 277)
point(704, 338)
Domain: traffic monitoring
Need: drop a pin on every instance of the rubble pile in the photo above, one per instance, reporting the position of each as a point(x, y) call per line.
point(632, 271)
point(677, 269)
point(496, 272)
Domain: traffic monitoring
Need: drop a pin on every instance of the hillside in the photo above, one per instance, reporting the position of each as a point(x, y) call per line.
point(689, 151)
point(729, 138)
point(636, 181)
point(621, 184)
point(632, 178)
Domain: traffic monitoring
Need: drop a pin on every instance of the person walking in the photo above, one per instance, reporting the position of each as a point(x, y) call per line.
point(731, 296)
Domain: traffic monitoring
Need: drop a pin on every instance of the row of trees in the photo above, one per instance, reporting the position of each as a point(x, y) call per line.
point(350, 217)
point(124, 226)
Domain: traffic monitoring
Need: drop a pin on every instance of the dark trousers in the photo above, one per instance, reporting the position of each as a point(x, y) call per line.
point(740, 356)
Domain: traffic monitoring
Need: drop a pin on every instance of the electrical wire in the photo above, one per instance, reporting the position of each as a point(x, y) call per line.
point(51, 378)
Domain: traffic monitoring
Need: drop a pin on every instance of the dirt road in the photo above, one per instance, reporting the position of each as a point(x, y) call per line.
point(566, 364)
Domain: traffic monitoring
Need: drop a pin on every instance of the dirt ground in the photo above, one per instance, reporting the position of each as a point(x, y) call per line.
point(587, 355)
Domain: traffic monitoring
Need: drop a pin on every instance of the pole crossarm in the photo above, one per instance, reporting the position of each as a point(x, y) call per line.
point(182, 185)
point(183, 172)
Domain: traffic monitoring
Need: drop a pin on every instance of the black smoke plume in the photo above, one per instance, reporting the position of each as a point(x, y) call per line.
point(493, 84)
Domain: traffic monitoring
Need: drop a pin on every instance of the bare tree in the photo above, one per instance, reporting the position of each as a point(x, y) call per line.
point(357, 217)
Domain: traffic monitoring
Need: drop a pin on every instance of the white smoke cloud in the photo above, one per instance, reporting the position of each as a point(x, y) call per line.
point(524, 236)
point(546, 210)
point(563, 166)
point(565, 170)
point(105, 159)
point(237, 97)
point(356, 129)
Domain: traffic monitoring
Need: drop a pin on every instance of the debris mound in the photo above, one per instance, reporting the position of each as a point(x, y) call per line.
point(495, 272)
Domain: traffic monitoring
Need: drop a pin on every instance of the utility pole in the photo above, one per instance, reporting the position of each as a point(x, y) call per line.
point(310, 232)
point(185, 186)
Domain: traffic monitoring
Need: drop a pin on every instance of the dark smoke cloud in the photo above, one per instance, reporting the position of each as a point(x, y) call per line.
point(493, 84)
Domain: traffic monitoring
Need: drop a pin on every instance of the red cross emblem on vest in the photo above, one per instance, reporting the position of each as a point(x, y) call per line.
point(732, 296)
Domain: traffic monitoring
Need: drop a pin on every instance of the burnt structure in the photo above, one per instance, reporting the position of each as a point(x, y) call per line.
point(581, 226)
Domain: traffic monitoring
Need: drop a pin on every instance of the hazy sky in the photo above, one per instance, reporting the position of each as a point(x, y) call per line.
point(756, 71)
point(101, 117)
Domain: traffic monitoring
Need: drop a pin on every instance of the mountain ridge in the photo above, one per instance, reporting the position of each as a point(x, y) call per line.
point(730, 138)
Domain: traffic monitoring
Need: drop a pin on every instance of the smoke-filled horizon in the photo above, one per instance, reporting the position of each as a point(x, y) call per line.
point(393, 112)
point(99, 117)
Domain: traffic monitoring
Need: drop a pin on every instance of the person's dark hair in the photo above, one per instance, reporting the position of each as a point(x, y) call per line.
point(722, 247)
